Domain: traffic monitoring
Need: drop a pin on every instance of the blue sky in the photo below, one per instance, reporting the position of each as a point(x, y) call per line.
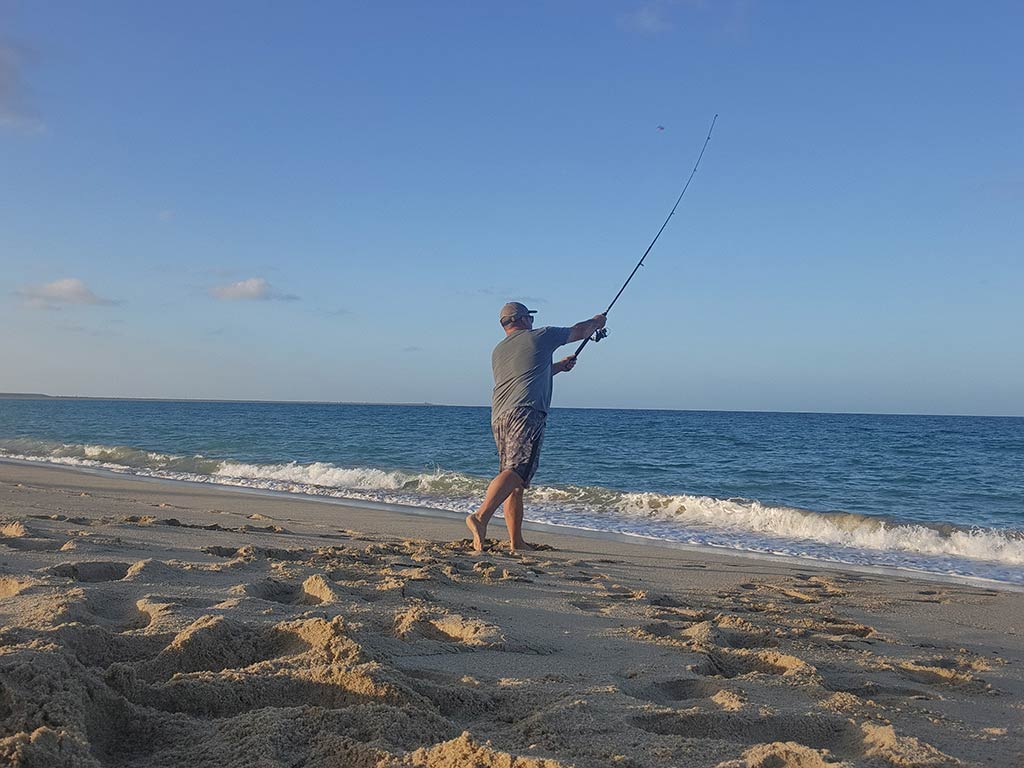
point(328, 201)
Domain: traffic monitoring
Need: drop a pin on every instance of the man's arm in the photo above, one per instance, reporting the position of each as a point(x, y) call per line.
point(586, 328)
point(565, 364)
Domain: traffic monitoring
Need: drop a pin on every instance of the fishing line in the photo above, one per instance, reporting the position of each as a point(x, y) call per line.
point(600, 334)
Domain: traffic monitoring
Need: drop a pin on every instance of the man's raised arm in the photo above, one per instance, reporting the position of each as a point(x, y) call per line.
point(586, 328)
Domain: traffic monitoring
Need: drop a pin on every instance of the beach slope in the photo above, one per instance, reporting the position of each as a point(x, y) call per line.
point(148, 623)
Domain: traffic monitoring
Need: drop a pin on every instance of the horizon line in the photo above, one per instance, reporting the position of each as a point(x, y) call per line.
point(427, 404)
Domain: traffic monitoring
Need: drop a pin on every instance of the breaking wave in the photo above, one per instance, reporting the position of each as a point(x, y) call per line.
point(740, 524)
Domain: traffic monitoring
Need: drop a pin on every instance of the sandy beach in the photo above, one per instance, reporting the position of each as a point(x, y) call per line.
point(146, 623)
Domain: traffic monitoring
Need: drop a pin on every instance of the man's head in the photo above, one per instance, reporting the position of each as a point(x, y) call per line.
point(515, 316)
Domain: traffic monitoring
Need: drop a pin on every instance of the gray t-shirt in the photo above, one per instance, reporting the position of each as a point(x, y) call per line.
point(522, 369)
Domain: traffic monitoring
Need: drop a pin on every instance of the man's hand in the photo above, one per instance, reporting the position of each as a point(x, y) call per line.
point(587, 328)
point(565, 364)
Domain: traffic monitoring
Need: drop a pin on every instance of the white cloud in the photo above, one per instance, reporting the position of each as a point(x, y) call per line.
point(167, 214)
point(70, 290)
point(253, 289)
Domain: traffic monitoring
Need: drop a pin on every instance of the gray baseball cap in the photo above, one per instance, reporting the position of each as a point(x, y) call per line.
point(514, 309)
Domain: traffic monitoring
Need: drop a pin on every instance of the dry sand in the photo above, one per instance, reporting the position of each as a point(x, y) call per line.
point(144, 623)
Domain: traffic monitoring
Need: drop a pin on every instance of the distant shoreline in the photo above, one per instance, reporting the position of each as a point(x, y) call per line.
point(35, 396)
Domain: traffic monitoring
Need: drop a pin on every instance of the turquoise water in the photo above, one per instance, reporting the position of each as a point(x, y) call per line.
point(936, 494)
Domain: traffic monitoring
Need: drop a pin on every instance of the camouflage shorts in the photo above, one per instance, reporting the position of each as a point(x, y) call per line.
point(518, 434)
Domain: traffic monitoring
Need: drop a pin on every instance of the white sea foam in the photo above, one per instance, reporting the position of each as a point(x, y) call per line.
point(841, 529)
point(733, 523)
point(318, 473)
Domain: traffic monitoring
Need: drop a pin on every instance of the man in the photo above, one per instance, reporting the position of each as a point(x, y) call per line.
point(523, 370)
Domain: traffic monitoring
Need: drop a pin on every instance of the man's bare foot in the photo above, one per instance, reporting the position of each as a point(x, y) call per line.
point(479, 531)
point(516, 546)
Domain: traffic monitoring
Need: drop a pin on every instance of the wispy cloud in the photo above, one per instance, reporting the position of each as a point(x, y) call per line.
point(740, 20)
point(648, 19)
point(501, 294)
point(167, 214)
point(221, 272)
point(531, 301)
point(84, 331)
point(728, 19)
point(253, 289)
point(15, 113)
point(53, 295)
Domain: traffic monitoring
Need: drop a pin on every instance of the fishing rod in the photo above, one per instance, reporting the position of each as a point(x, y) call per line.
point(602, 332)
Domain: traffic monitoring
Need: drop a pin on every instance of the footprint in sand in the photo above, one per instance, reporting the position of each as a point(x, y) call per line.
point(605, 600)
point(105, 609)
point(64, 519)
point(153, 571)
point(723, 632)
point(17, 536)
point(104, 645)
point(92, 571)
point(797, 741)
point(798, 596)
point(216, 643)
point(218, 551)
point(823, 584)
point(454, 695)
point(723, 662)
point(591, 606)
point(811, 590)
point(670, 692)
point(845, 681)
point(831, 629)
point(674, 609)
point(659, 632)
point(39, 544)
point(249, 552)
point(665, 601)
point(583, 577)
point(420, 623)
point(945, 673)
point(814, 731)
point(929, 596)
point(313, 591)
point(617, 592)
point(729, 632)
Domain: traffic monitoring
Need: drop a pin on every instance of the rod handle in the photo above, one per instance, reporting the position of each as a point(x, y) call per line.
point(599, 334)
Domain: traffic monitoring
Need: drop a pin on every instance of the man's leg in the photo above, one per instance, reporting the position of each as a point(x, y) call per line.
point(514, 520)
point(501, 486)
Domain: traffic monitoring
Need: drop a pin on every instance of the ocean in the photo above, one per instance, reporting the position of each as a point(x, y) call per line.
point(941, 495)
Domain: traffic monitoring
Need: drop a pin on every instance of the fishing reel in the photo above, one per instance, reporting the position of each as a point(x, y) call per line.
point(599, 334)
